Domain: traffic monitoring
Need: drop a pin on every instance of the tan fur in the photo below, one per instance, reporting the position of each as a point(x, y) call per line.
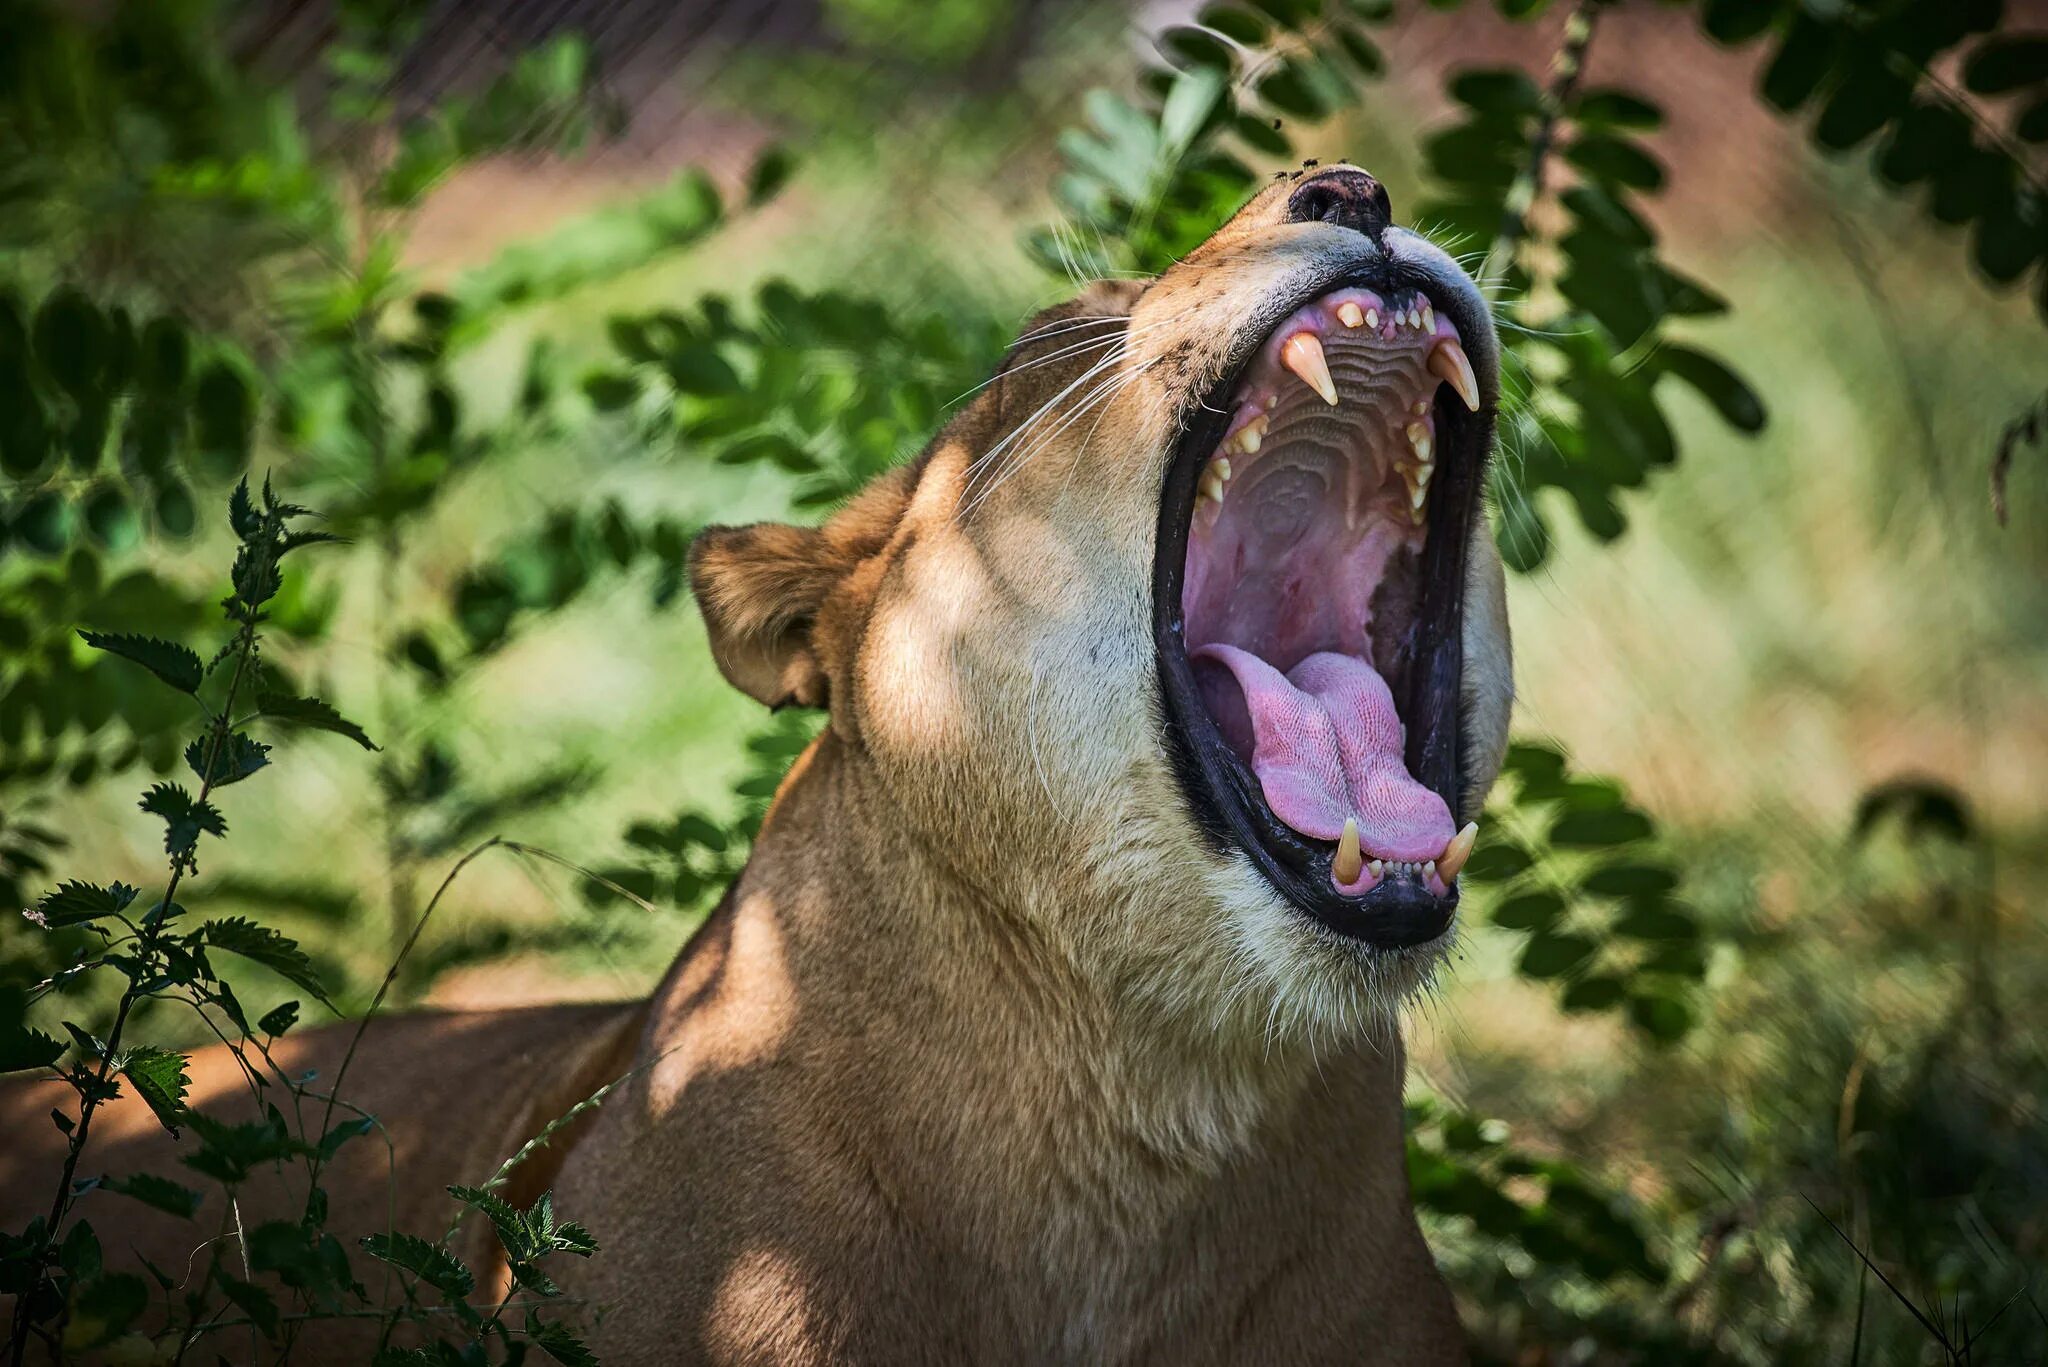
point(987, 1056)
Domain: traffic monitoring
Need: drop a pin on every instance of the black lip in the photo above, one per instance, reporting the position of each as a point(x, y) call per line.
point(1222, 792)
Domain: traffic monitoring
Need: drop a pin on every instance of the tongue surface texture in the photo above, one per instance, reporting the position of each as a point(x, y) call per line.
point(1327, 745)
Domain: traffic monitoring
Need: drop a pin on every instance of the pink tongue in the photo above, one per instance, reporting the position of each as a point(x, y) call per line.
point(1327, 745)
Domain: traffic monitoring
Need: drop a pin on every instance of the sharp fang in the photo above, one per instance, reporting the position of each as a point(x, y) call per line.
point(1344, 868)
point(1350, 314)
point(1449, 363)
point(1457, 852)
point(1303, 354)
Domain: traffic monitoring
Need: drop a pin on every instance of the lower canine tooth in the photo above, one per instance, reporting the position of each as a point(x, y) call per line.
point(1344, 868)
point(1457, 852)
point(1303, 354)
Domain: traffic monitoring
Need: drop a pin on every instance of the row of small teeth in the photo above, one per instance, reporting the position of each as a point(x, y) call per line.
point(1302, 354)
point(1350, 858)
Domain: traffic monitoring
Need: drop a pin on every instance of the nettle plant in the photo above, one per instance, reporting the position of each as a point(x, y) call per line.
point(292, 1271)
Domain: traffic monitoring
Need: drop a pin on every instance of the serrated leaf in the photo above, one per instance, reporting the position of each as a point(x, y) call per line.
point(252, 1300)
point(511, 1226)
point(185, 819)
point(158, 1076)
point(158, 1192)
point(176, 665)
point(75, 903)
point(22, 1048)
point(260, 944)
point(314, 712)
point(430, 1262)
point(233, 760)
point(558, 1343)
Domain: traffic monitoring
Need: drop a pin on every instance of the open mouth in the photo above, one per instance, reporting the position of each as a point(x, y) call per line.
point(1308, 602)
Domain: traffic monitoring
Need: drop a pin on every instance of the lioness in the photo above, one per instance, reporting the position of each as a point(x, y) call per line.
point(1053, 1018)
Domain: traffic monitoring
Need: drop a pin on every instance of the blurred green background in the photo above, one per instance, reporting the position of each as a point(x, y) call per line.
point(520, 295)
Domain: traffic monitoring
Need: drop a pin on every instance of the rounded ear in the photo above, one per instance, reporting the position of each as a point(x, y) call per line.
point(763, 588)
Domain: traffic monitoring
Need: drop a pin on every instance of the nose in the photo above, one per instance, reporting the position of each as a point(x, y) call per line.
point(1346, 197)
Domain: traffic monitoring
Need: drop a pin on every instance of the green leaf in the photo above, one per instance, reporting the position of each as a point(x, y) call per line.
point(431, 1263)
point(1504, 90)
point(1592, 829)
point(1553, 956)
point(158, 1076)
point(1537, 911)
point(158, 1192)
point(512, 1228)
point(260, 944)
point(1595, 992)
point(185, 819)
point(1235, 23)
point(1735, 401)
point(557, 1342)
point(1496, 861)
point(75, 903)
point(1927, 808)
point(1615, 161)
point(1611, 108)
point(1630, 880)
point(2007, 62)
point(312, 712)
point(176, 665)
point(251, 1300)
point(22, 1048)
point(236, 758)
point(1656, 920)
point(1666, 1019)
point(71, 341)
point(279, 1018)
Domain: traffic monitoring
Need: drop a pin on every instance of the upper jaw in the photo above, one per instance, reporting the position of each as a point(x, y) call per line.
point(1399, 910)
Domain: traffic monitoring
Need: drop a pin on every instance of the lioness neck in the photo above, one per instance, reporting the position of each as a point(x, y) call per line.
point(998, 1089)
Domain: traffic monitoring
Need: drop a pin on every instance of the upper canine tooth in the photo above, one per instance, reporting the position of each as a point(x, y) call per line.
point(1350, 314)
point(1449, 363)
point(1303, 354)
point(1344, 868)
point(1457, 852)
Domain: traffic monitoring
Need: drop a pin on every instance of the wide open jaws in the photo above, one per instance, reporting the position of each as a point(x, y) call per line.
point(1310, 646)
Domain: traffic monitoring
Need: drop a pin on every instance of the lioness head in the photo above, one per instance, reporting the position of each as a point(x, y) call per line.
point(1183, 646)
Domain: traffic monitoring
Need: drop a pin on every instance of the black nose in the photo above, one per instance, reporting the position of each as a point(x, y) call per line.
point(1349, 199)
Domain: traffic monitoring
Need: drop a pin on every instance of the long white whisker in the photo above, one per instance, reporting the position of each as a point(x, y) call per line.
point(1102, 393)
